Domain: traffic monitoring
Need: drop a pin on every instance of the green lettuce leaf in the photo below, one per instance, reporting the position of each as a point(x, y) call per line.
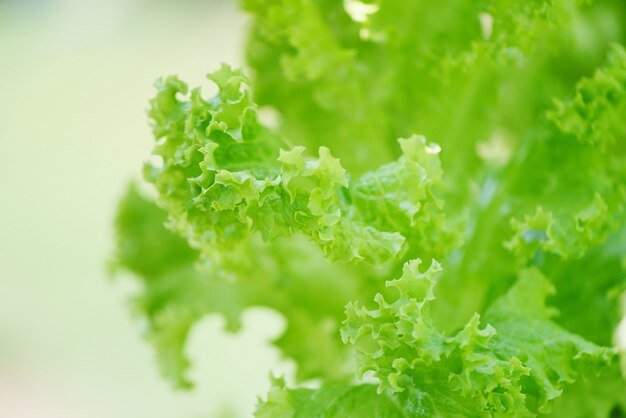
point(518, 363)
point(222, 176)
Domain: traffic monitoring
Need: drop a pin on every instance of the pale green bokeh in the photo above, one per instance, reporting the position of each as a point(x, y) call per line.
point(75, 77)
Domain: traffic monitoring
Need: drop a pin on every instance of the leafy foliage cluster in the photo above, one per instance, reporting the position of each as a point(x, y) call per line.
point(508, 181)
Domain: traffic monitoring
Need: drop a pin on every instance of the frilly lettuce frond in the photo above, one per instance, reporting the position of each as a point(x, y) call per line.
point(222, 176)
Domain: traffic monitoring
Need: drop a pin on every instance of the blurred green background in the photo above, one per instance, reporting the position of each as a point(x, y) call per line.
point(75, 78)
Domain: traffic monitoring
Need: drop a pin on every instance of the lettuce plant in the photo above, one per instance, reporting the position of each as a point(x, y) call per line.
point(431, 195)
